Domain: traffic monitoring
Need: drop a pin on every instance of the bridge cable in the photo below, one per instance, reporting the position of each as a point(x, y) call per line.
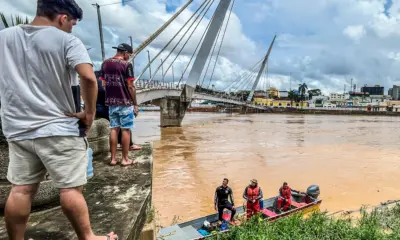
point(243, 75)
point(220, 46)
point(198, 45)
point(170, 41)
point(176, 45)
point(247, 72)
point(210, 57)
point(187, 40)
point(244, 78)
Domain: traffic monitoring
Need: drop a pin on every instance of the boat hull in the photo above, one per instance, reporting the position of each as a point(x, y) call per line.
point(188, 230)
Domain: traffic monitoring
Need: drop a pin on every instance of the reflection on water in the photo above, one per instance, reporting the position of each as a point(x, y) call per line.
point(355, 160)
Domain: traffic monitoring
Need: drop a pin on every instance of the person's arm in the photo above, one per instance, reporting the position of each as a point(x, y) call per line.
point(245, 194)
point(260, 194)
point(131, 86)
point(216, 198)
point(102, 78)
point(231, 196)
point(89, 88)
point(78, 58)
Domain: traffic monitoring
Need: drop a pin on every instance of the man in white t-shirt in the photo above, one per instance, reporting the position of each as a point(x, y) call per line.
point(41, 116)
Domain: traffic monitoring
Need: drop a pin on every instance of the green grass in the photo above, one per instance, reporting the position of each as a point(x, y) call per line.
point(381, 224)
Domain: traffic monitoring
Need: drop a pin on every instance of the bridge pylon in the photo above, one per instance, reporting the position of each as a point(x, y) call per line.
point(173, 109)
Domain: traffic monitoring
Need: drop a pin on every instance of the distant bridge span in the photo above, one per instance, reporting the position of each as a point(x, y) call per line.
point(145, 95)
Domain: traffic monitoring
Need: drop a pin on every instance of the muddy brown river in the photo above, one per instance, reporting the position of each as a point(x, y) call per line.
point(354, 159)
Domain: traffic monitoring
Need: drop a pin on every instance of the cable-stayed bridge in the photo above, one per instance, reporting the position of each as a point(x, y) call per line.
point(175, 97)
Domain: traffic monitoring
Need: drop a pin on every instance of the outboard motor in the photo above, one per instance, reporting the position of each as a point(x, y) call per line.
point(313, 191)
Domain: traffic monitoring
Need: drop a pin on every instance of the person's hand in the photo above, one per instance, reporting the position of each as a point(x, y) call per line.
point(86, 119)
point(233, 207)
point(136, 110)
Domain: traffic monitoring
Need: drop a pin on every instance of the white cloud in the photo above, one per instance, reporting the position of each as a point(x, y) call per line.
point(315, 38)
point(355, 32)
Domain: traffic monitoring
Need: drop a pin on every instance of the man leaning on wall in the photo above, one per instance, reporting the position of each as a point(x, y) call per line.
point(39, 92)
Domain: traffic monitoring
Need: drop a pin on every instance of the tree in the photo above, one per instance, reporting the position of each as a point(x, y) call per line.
point(302, 90)
point(14, 21)
point(314, 92)
point(292, 97)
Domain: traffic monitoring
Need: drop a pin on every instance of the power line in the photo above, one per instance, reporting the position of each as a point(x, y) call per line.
point(124, 1)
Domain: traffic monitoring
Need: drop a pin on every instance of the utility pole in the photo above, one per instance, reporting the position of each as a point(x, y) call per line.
point(133, 59)
point(130, 37)
point(100, 30)
point(148, 56)
point(173, 76)
point(290, 79)
point(351, 84)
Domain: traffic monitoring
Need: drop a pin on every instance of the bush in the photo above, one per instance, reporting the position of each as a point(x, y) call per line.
point(379, 224)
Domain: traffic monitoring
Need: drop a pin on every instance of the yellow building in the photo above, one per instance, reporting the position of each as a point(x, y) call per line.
point(278, 103)
point(273, 92)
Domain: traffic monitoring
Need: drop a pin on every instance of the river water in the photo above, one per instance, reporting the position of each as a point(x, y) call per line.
point(354, 159)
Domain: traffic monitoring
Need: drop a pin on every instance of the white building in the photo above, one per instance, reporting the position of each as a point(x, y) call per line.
point(283, 94)
point(336, 97)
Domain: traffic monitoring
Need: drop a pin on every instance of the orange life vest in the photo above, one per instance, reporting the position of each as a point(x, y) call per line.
point(252, 193)
point(286, 193)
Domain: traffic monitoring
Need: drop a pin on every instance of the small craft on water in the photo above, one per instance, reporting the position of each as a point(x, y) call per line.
point(204, 227)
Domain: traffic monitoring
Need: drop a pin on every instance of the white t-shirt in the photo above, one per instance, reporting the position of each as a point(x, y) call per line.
point(38, 82)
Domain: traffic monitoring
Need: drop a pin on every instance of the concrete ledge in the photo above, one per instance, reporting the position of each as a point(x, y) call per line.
point(119, 199)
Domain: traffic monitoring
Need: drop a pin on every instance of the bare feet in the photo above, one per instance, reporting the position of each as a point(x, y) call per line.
point(135, 147)
point(113, 162)
point(127, 162)
point(110, 236)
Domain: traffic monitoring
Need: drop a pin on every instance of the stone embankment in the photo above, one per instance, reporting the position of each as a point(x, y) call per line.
point(119, 198)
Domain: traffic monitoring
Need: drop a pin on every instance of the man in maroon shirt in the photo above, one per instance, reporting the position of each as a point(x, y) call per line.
point(118, 81)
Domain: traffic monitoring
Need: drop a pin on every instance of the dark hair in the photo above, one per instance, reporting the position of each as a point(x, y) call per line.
point(285, 183)
point(225, 179)
point(51, 8)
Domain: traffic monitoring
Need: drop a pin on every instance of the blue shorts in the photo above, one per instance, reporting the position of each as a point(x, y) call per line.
point(121, 116)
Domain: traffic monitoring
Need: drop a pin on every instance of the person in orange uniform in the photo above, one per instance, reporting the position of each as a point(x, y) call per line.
point(285, 197)
point(253, 194)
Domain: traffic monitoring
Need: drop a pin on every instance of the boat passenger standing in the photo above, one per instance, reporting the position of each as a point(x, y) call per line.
point(285, 197)
point(253, 194)
point(221, 201)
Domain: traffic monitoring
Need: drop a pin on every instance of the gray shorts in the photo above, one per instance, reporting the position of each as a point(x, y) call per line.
point(64, 158)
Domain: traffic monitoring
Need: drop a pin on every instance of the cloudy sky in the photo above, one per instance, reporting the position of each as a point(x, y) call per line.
point(324, 43)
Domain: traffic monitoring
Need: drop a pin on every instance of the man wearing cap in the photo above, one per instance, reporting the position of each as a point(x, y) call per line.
point(41, 116)
point(253, 194)
point(117, 77)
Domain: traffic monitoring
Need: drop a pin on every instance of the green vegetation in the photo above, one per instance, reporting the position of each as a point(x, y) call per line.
point(379, 224)
point(14, 21)
point(151, 215)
